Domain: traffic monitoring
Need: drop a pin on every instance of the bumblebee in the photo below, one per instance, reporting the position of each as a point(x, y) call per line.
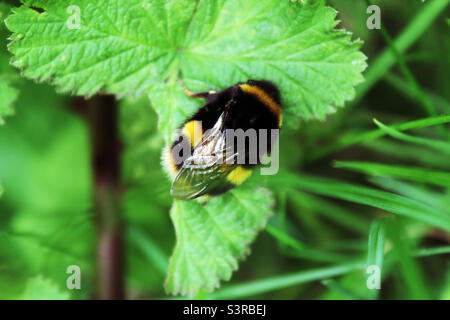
point(203, 158)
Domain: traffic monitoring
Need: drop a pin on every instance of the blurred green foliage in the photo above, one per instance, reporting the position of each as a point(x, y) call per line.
point(146, 47)
point(329, 224)
point(8, 94)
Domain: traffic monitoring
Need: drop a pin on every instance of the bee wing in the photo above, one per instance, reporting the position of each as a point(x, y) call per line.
point(193, 183)
point(206, 168)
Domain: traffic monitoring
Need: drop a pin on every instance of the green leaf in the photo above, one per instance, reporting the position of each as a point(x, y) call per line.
point(435, 177)
point(39, 288)
point(131, 47)
point(213, 236)
point(8, 96)
point(45, 223)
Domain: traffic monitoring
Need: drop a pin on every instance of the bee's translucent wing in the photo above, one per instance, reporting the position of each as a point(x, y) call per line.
point(192, 183)
point(206, 168)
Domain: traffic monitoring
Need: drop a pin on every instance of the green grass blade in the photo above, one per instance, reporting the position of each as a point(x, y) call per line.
point(413, 83)
point(438, 178)
point(441, 146)
point(331, 211)
point(427, 252)
point(412, 32)
point(346, 292)
point(285, 238)
point(303, 251)
point(410, 271)
point(279, 282)
point(400, 151)
point(256, 287)
point(151, 251)
point(402, 86)
point(425, 195)
point(349, 140)
point(355, 193)
point(377, 235)
point(375, 251)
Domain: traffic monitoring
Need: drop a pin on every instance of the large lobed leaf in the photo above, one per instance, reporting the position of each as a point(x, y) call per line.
point(134, 46)
point(211, 238)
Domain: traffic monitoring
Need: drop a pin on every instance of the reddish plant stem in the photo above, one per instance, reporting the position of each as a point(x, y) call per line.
point(103, 121)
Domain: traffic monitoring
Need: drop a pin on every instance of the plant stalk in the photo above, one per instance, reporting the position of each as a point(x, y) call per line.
point(103, 119)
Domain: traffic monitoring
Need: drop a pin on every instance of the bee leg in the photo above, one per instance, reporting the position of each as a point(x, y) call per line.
point(203, 94)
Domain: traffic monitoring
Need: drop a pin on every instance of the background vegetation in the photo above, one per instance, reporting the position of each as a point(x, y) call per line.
point(351, 191)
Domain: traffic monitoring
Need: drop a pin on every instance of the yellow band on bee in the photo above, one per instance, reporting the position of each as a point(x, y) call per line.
point(168, 162)
point(239, 175)
point(193, 130)
point(264, 98)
